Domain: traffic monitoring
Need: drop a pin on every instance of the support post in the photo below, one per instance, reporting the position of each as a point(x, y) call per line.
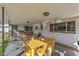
point(9, 31)
point(3, 30)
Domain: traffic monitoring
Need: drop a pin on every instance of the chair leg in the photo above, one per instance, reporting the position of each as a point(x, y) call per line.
point(33, 52)
point(50, 51)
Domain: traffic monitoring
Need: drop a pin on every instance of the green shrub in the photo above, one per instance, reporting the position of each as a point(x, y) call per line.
point(5, 43)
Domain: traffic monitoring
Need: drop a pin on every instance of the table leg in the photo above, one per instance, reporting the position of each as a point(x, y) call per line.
point(33, 52)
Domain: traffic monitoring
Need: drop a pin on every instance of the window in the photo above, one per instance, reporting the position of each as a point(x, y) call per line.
point(71, 26)
point(41, 26)
point(51, 27)
point(28, 28)
point(15, 27)
point(36, 27)
point(62, 27)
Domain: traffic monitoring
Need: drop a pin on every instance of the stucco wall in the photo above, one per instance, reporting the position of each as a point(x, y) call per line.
point(64, 38)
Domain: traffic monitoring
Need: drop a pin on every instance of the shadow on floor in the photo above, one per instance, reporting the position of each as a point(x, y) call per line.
point(62, 49)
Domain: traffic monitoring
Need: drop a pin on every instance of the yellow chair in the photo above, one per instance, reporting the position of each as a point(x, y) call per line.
point(28, 53)
point(42, 50)
point(51, 48)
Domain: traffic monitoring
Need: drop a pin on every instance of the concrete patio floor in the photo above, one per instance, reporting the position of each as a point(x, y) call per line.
point(15, 47)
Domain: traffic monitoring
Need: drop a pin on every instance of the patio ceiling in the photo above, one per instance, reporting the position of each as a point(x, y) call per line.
point(20, 13)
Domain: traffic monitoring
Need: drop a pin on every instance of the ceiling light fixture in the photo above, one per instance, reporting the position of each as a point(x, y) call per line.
point(27, 21)
point(46, 13)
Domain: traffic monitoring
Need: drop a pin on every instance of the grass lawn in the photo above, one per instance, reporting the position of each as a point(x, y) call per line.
point(5, 43)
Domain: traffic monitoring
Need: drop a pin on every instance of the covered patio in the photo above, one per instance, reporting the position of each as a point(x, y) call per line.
point(40, 21)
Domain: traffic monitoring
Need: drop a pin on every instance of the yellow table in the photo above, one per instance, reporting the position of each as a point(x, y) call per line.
point(34, 43)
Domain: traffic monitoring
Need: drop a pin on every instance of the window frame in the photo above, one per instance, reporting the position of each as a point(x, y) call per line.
point(52, 28)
